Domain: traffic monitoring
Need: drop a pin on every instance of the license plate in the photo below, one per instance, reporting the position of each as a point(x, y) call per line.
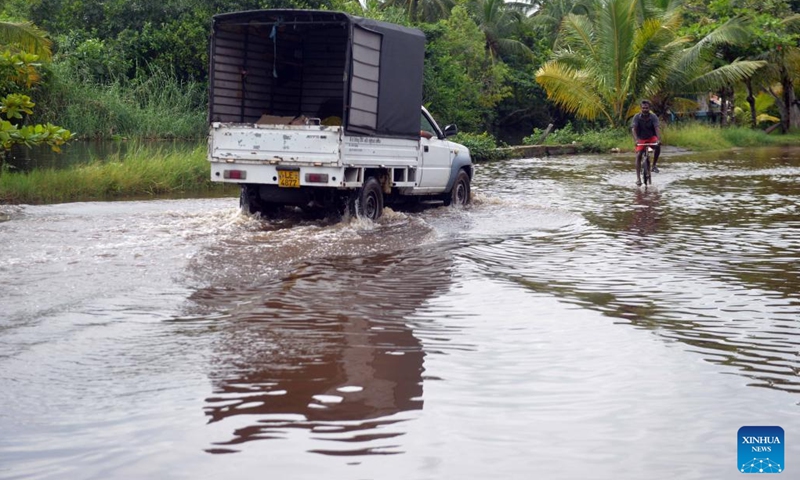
point(289, 178)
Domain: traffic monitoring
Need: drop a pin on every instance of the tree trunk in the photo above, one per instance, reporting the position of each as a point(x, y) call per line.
point(786, 107)
point(751, 100)
point(794, 109)
point(784, 123)
point(790, 113)
point(732, 105)
point(545, 134)
point(725, 106)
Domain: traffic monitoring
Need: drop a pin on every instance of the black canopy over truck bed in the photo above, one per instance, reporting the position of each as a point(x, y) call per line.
point(318, 64)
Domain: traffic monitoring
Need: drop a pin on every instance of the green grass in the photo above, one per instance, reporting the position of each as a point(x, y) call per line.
point(153, 106)
point(705, 137)
point(149, 172)
point(597, 141)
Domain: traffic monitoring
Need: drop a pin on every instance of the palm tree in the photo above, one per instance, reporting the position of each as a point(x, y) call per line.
point(626, 50)
point(500, 21)
point(549, 15)
point(422, 10)
point(694, 69)
point(27, 37)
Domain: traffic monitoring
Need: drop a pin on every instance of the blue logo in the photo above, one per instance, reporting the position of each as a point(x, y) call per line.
point(761, 450)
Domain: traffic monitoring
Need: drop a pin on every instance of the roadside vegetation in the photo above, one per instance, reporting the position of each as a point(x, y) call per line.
point(144, 172)
point(157, 105)
point(704, 137)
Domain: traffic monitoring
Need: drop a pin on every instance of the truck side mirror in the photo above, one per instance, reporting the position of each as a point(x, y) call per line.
point(450, 130)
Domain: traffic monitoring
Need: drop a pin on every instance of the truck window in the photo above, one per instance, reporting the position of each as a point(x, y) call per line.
point(426, 127)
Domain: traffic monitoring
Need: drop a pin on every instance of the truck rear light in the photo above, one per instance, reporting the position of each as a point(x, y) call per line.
point(235, 174)
point(316, 178)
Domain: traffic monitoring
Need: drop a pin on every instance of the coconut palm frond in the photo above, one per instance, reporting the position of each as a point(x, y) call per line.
point(726, 74)
point(792, 21)
point(28, 36)
point(544, 22)
point(570, 59)
point(763, 101)
point(569, 89)
point(616, 27)
point(765, 117)
point(577, 33)
point(522, 7)
point(647, 30)
point(427, 10)
point(682, 104)
point(732, 32)
point(792, 59)
point(514, 47)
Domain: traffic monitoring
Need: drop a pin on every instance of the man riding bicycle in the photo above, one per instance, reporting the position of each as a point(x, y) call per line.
point(645, 129)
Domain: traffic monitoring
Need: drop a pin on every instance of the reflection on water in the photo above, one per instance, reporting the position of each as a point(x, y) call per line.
point(325, 346)
point(706, 256)
point(646, 219)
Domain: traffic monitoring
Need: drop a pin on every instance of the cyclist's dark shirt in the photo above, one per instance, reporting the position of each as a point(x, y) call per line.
point(645, 125)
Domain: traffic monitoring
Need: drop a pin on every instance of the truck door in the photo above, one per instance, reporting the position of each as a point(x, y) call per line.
point(436, 155)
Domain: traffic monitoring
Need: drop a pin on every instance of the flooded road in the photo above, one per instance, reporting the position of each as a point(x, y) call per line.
point(565, 325)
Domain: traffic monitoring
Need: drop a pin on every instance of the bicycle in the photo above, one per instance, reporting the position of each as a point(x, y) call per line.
point(648, 149)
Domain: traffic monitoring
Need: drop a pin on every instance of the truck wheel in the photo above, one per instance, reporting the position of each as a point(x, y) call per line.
point(459, 195)
point(249, 200)
point(251, 203)
point(368, 203)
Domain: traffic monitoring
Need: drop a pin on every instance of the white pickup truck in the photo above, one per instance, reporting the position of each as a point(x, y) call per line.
point(320, 109)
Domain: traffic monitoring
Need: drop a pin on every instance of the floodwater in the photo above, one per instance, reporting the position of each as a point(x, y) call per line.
point(565, 325)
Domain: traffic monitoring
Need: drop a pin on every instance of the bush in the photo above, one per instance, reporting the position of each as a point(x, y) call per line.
point(155, 105)
point(560, 136)
point(482, 147)
point(598, 141)
point(605, 140)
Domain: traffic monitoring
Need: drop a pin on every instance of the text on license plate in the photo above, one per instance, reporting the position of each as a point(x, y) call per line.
point(289, 178)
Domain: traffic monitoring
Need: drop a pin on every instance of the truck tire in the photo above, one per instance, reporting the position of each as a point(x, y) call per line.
point(368, 201)
point(249, 200)
point(251, 203)
point(460, 193)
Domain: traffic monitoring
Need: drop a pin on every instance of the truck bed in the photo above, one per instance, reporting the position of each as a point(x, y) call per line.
point(312, 145)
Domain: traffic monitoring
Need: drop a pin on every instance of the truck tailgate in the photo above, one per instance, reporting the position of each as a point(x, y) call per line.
point(295, 144)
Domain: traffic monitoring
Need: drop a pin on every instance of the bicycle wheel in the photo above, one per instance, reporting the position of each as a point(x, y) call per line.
point(646, 168)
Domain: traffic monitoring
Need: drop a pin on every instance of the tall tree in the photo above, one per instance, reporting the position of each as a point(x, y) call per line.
point(422, 10)
point(783, 65)
point(501, 22)
point(774, 37)
point(549, 14)
point(462, 84)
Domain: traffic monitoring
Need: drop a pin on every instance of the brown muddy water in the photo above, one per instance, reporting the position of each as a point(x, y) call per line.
point(566, 325)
